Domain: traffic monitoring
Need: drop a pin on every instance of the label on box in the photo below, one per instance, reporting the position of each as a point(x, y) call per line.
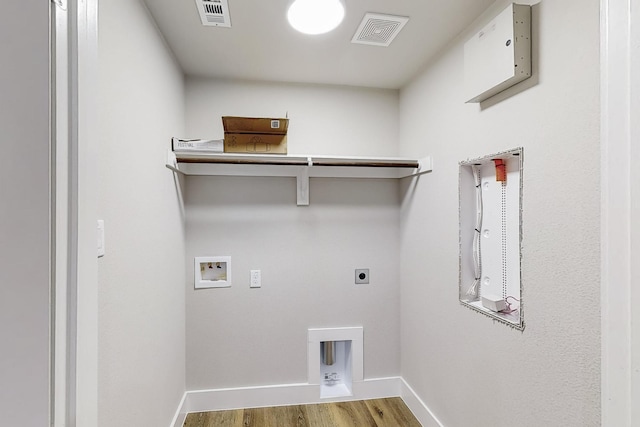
point(275, 124)
point(212, 145)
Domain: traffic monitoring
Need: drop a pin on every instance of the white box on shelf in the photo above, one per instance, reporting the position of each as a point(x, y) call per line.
point(198, 145)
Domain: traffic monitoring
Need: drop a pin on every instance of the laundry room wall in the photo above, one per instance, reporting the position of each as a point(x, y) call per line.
point(307, 255)
point(463, 365)
point(141, 317)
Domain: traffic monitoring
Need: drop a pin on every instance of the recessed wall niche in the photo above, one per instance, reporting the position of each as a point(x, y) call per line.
point(490, 208)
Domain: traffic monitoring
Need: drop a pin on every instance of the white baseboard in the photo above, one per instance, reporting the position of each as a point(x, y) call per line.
point(418, 407)
point(284, 394)
point(300, 394)
point(181, 414)
point(179, 420)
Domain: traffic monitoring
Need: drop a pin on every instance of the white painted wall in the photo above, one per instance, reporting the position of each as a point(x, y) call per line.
point(240, 336)
point(467, 368)
point(141, 278)
point(336, 120)
point(24, 214)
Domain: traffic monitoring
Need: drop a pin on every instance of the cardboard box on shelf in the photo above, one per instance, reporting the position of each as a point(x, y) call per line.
point(255, 135)
point(255, 143)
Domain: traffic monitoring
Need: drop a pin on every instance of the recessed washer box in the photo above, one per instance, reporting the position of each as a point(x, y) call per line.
point(498, 56)
point(212, 272)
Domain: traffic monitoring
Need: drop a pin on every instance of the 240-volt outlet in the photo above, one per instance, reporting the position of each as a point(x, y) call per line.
point(362, 276)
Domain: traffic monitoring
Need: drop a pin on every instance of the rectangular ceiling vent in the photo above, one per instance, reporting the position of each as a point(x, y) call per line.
point(379, 30)
point(214, 13)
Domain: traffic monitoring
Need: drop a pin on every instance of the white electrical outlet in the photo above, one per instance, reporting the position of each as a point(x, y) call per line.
point(256, 280)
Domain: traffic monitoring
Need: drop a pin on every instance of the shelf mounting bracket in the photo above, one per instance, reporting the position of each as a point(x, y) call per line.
point(172, 162)
point(302, 185)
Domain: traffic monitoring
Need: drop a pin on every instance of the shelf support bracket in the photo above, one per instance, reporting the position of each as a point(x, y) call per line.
point(172, 162)
point(302, 183)
point(425, 166)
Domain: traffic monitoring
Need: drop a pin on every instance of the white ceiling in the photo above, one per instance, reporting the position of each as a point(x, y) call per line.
point(261, 45)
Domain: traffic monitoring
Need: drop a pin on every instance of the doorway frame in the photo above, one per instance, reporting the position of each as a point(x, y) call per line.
point(620, 209)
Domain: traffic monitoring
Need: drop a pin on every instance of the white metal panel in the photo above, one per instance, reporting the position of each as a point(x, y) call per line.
point(499, 55)
point(500, 233)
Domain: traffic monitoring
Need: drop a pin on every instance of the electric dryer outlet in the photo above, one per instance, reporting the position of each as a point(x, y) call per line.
point(362, 276)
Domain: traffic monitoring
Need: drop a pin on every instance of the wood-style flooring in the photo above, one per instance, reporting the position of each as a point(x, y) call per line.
point(390, 412)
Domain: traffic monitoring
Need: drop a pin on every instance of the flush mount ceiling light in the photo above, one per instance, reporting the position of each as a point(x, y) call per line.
point(315, 16)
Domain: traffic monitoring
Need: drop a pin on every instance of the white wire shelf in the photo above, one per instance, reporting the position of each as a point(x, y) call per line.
point(301, 167)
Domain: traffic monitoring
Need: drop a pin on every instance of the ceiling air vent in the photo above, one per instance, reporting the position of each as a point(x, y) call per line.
point(214, 13)
point(379, 30)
